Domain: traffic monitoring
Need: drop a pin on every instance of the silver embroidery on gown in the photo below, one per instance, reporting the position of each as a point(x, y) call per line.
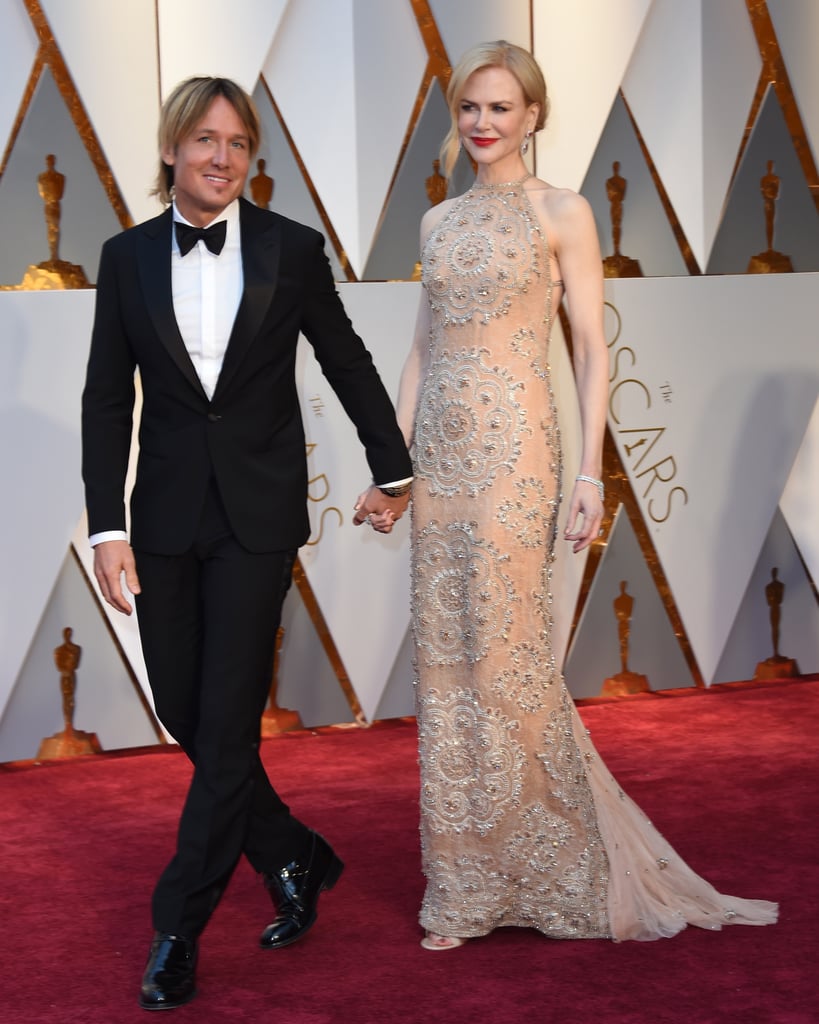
point(521, 823)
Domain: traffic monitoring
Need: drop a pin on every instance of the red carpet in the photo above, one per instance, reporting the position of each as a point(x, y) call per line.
point(730, 777)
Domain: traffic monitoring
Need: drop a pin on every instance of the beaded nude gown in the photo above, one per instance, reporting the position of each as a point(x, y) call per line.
point(521, 822)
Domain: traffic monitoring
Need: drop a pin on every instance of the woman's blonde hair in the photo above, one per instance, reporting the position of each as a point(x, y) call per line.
point(182, 111)
point(498, 54)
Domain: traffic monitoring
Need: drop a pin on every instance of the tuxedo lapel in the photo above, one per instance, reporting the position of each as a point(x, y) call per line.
point(154, 268)
point(261, 248)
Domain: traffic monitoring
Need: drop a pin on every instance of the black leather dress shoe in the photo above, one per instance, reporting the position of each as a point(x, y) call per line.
point(295, 890)
point(170, 975)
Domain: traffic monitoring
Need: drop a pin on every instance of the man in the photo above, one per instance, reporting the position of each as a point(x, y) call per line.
point(218, 508)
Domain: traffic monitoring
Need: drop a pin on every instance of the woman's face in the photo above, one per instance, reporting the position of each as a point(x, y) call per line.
point(493, 119)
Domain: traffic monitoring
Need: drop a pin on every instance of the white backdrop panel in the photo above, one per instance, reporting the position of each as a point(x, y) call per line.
point(43, 350)
point(203, 37)
point(110, 50)
point(583, 68)
point(291, 193)
point(487, 19)
point(18, 48)
point(666, 75)
point(714, 381)
point(685, 49)
point(800, 499)
point(311, 74)
point(360, 578)
point(731, 67)
point(394, 252)
point(390, 58)
point(796, 23)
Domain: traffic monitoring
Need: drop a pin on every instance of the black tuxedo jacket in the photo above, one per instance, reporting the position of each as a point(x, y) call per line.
point(250, 436)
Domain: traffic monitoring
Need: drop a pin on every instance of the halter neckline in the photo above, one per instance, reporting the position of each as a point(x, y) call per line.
point(517, 183)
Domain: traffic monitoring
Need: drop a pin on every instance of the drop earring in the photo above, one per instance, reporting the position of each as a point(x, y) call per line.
point(524, 146)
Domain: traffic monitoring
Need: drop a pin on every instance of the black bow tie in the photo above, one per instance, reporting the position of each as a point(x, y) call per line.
point(213, 237)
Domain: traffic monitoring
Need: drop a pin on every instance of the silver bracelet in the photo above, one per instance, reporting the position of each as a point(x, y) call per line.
point(597, 483)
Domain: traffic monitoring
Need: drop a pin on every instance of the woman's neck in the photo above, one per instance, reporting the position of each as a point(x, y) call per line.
point(496, 174)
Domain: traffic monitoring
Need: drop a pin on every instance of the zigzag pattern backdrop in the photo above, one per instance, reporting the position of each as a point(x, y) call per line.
point(713, 445)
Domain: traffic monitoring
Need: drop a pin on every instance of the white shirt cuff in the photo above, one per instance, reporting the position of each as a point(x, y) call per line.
point(100, 538)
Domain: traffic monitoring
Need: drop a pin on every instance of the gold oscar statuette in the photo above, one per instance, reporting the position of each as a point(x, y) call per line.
point(436, 184)
point(770, 261)
point(777, 666)
point(276, 720)
point(618, 265)
point(261, 187)
point(70, 742)
point(52, 274)
point(625, 681)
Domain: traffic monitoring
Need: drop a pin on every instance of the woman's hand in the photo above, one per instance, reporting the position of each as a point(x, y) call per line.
point(585, 516)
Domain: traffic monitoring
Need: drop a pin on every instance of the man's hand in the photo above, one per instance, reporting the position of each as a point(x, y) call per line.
point(380, 511)
point(112, 558)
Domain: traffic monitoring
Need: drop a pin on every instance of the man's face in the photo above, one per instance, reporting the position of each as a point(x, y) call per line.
point(211, 164)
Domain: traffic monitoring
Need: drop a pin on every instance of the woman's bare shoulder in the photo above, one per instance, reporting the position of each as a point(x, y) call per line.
point(564, 215)
point(557, 203)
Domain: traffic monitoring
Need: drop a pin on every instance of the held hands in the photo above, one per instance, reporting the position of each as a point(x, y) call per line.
point(112, 558)
point(585, 515)
point(380, 511)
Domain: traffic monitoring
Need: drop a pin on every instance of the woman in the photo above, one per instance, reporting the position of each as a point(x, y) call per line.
point(521, 822)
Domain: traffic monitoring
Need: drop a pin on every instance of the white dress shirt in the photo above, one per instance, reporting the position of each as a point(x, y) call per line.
point(207, 290)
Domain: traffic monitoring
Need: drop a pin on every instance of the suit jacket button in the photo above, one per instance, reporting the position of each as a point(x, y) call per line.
point(214, 417)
